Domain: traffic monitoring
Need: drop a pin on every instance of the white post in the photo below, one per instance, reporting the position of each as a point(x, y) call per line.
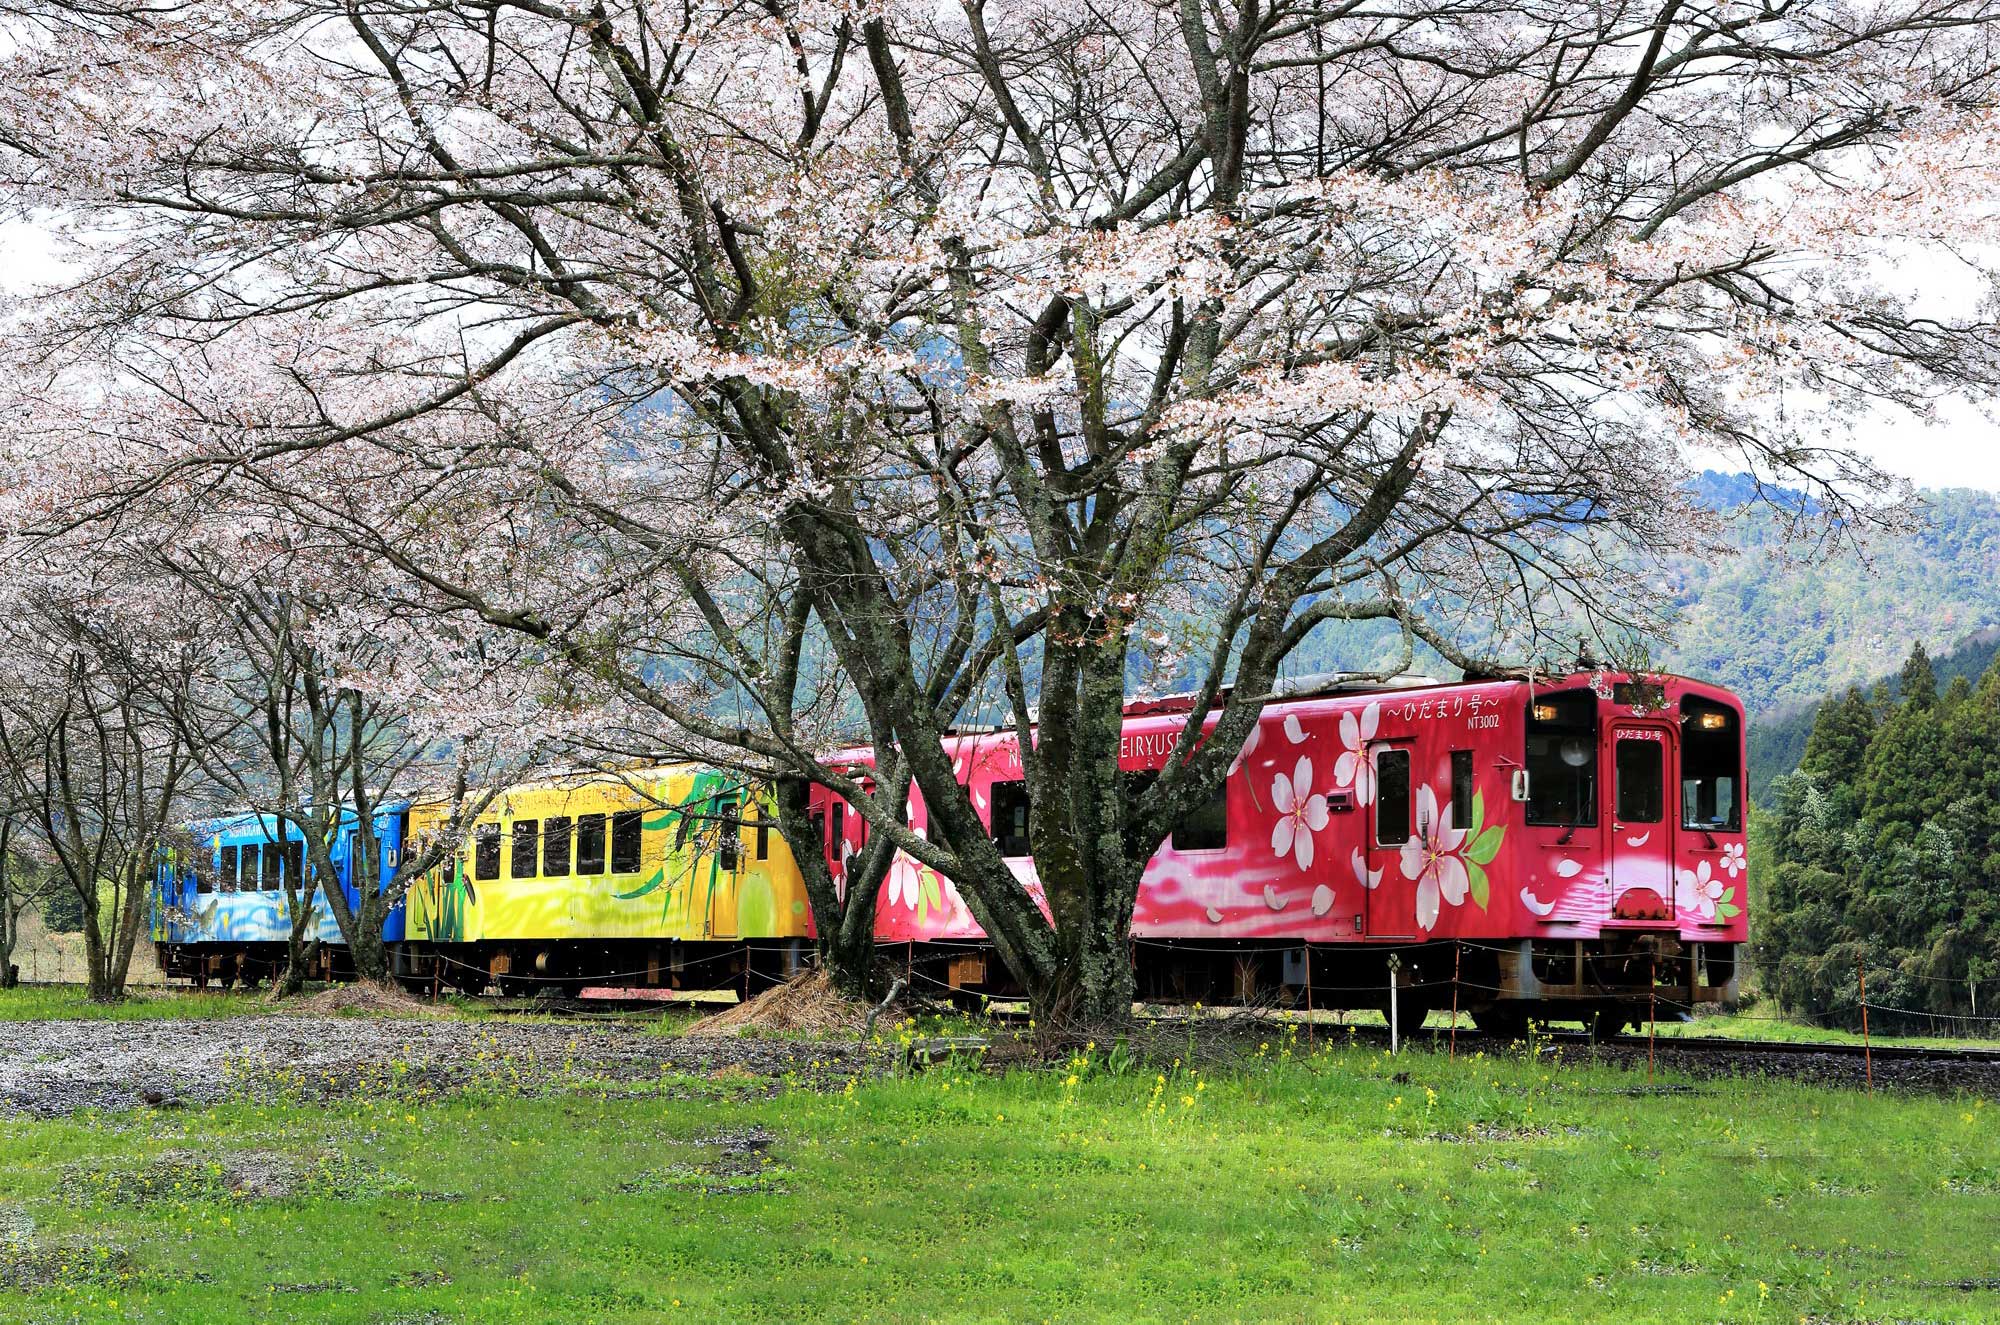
point(1395, 1038)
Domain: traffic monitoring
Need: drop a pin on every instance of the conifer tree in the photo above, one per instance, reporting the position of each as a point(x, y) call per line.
point(1839, 741)
point(1884, 849)
point(1917, 683)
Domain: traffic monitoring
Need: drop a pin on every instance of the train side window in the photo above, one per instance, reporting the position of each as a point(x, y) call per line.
point(1710, 781)
point(1461, 788)
point(1010, 817)
point(590, 844)
point(225, 876)
point(555, 846)
point(246, 878)
point(527, 837)
point(763, 834)
point(836, 842)
point(729, 832)
point(295, 863)
point(625, 830)
point(1206, 826)
point(1640, 780)
point(273, 864)
point(1392, 797)
point(486, 851)
point(1562, 759)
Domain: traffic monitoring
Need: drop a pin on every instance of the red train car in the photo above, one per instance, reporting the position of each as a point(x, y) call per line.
point(1563, 847)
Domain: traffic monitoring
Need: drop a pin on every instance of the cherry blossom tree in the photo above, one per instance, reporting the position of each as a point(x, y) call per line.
point(1022, 350)
point(92, 752)
point(299, 732)
point(24, 886)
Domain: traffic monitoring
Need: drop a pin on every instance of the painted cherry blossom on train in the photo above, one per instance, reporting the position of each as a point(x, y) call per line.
point(1301, 813)
point(1449, 863)
point(1708, 897)
point(1354, 768)
point(1304, 854)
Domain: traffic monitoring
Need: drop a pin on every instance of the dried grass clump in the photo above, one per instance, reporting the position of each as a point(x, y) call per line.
point(806, 1004)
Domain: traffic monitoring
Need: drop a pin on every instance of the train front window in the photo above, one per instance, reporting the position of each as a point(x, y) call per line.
point(1562, 759)
point(1711, 782)
point(1640, 780)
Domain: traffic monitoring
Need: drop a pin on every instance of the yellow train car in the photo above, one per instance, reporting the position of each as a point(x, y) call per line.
point(671, 876)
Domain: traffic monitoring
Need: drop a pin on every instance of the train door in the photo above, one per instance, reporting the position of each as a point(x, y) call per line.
point(728, 846)
point(1392, 901)
point(1640, 847)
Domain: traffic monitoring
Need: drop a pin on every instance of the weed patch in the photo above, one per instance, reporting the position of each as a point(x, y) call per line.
point(737, 1163)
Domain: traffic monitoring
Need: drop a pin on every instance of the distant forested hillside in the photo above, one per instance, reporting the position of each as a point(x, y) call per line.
point(1785, 632)
point(1778, 740)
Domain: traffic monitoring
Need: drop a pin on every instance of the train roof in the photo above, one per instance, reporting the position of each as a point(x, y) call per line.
point(1326, 685)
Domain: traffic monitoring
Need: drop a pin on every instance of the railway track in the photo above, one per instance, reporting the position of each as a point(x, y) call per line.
point(607, 1007)
point(1880, 1052)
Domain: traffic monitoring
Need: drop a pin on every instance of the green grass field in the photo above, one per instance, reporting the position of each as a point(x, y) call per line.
point(1337, 1185)
point(51, 1002)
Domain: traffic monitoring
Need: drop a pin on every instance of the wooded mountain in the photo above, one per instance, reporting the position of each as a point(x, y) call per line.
point(1784, 629)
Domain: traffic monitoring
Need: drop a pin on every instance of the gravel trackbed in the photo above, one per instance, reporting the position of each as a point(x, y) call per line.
point(50, 1068)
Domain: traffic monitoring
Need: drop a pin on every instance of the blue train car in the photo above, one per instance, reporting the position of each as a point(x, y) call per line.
point(222, 914)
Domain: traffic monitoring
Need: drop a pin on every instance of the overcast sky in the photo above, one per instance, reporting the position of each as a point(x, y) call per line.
point(1963, 452)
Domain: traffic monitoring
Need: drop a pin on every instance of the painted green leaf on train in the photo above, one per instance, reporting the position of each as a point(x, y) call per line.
point(653, 880)
point(1476, 874)
point(928, 895)
point(1478, 815)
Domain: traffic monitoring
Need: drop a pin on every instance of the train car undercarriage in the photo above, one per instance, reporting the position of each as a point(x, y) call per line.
point(1606, 983)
